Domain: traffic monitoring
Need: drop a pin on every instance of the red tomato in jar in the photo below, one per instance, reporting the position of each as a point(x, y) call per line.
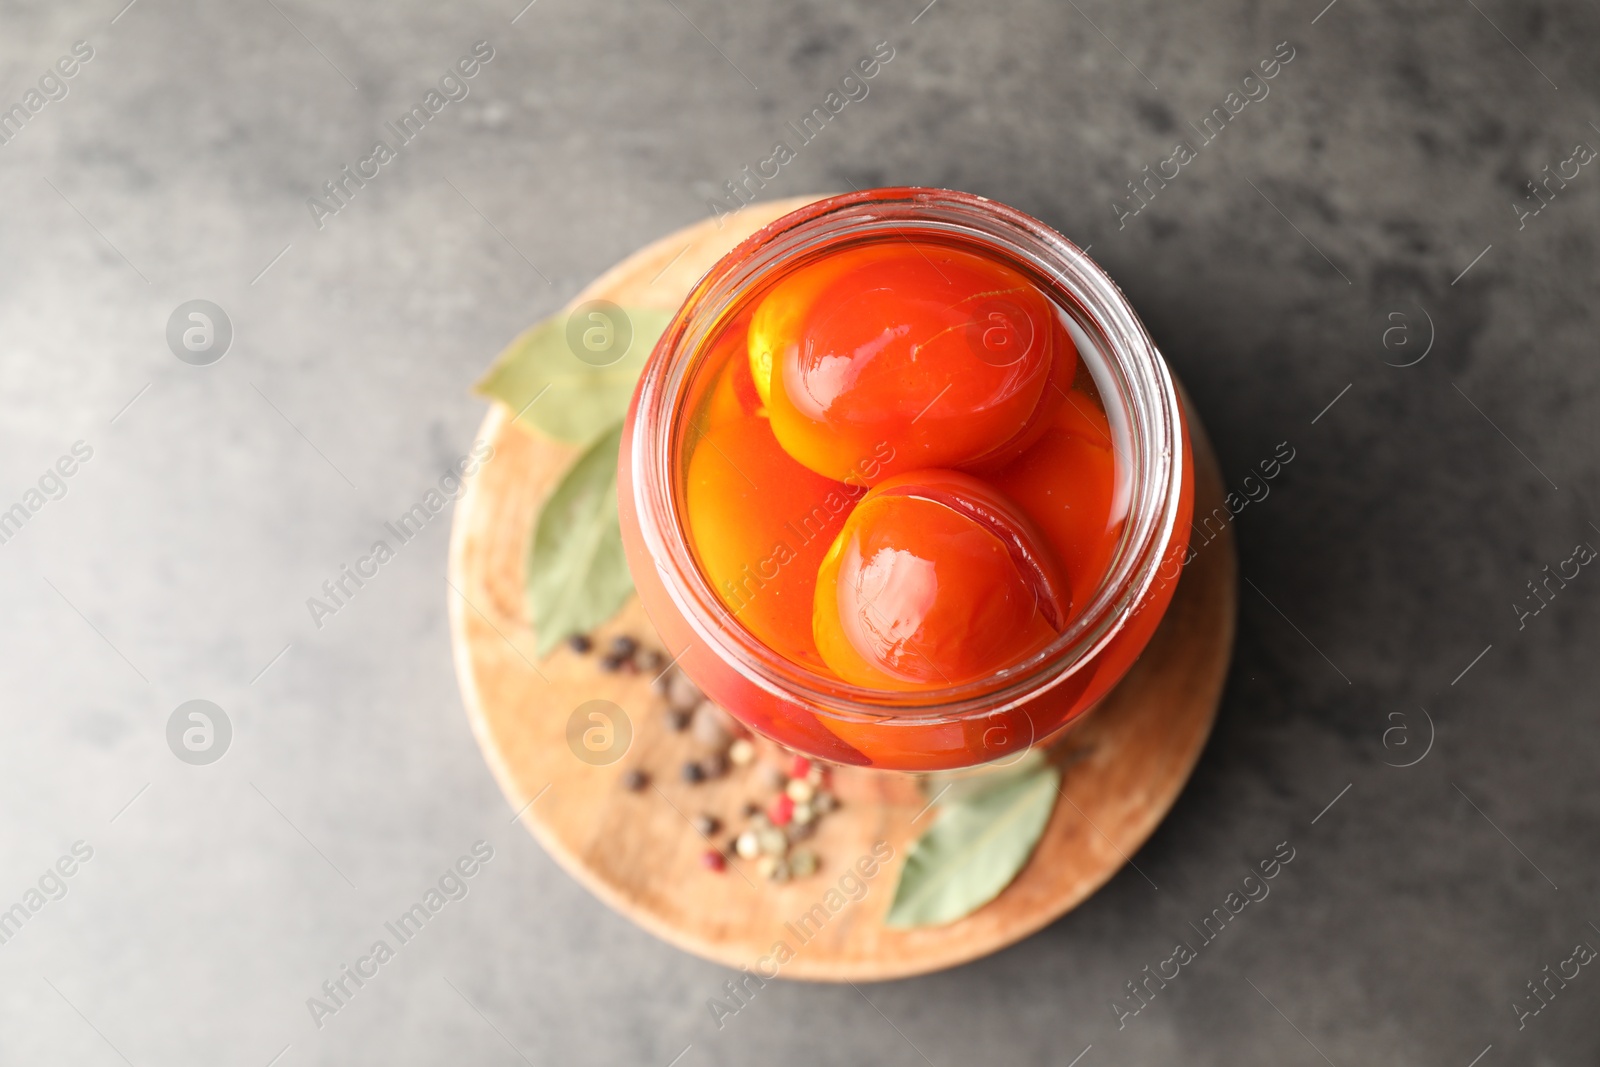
point(902, 355)
point(936, 579)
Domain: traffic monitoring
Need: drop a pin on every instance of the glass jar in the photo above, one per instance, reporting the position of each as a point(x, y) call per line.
point(1025, 704)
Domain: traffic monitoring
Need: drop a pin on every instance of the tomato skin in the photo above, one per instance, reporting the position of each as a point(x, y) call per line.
point(779, 321)
point(936, 579)
point(1066, 483)
point(934, 356)
point(760, 524)
point(1057, 394)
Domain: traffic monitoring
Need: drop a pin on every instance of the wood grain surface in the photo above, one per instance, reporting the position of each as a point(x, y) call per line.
point(1127, 760)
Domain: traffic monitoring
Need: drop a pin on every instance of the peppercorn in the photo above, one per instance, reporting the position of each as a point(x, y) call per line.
point(802, 862)
point(741, 752)
point(693, 773)
point(781, 811)
point(635, 780)
point(678, 721)
point(623, 646)
point(713, 860)
point(715, 765)
point(706, 825)
point(580, 644)
point(611, 664)
point(772, 842)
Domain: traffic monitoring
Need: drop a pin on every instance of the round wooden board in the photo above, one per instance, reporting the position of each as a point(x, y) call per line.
point(1126, 762)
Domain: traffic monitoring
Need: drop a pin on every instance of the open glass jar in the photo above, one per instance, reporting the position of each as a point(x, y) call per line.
point(1120, 400)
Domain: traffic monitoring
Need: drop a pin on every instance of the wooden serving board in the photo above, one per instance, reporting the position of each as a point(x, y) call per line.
point(639, 853)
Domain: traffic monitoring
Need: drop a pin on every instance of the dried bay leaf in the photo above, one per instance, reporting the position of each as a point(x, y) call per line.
point(974, 849)
point(568, 391)
point(577, 575)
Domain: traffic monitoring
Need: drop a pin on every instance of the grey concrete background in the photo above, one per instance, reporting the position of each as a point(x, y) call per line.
point(1388, 556)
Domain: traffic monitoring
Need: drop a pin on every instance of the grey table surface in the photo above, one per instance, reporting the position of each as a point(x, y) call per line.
point(1360, 214)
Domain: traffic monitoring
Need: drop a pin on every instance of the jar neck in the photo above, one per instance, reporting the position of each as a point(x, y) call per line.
point(1134, 383)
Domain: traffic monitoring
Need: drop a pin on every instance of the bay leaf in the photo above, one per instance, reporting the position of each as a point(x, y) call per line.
point(577, 576)
point(562, 395)
point(974, 849)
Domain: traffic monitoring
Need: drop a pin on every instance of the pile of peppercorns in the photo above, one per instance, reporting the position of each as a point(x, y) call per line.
point(623, 654)
point(795, 788)
point(773, 836)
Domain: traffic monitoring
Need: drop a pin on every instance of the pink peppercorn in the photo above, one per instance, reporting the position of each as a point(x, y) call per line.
point(800, 767)
point(712, 860)
point(781, 811)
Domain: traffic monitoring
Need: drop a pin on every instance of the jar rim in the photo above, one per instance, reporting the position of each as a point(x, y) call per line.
point(1075, 282)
